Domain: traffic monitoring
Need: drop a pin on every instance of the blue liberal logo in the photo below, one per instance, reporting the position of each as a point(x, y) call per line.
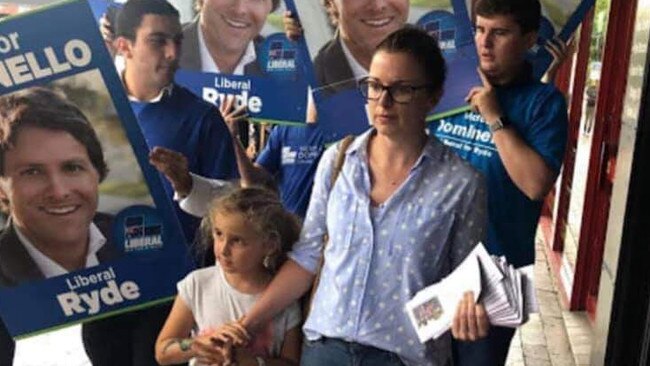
point(441, 25)
point(140, 229)
point(279, 56)
point(138, 236)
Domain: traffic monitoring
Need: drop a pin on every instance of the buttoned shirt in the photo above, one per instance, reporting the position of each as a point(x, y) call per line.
point(379, 257)
point(50, 268)
point(166, 91)
point(357, 70)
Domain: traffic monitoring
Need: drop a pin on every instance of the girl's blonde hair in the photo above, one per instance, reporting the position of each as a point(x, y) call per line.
point(263, 209)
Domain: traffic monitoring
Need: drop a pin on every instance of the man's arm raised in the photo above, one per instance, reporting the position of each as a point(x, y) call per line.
point(249, 172)
point(524, 165)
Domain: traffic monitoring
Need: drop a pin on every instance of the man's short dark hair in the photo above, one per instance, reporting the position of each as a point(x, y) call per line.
point(130, 16)
point(424, 49)
point(43, 108)
point(526, 13)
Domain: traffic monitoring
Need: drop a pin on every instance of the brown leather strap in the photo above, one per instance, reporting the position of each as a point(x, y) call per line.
point(340, 159)
point(336, 170)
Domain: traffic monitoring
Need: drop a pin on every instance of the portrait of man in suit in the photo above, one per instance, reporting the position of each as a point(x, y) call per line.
point(224, 36)
point(51, 163)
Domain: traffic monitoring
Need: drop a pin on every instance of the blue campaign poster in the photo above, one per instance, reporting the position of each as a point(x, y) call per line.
point(268, 78)
point(136, 250)
point(340, 107)
point(104, 7)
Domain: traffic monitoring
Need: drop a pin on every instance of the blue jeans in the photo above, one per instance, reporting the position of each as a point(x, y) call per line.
point(335, 352)
point(489, 351)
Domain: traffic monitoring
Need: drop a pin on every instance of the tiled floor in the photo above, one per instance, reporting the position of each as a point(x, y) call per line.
point(554, 336)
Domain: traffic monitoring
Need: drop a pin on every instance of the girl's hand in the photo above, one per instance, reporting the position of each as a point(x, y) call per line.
point(231, 333)
point(207, 351)
point(471, 321)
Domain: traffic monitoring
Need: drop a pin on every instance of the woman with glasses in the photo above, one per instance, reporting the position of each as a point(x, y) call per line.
point(403, 212)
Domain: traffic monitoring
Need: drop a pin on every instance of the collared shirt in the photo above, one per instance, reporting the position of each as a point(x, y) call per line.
point(50, 268)
point(357, 70)
point(208, 64)
point(163, 92)
point(377, 259)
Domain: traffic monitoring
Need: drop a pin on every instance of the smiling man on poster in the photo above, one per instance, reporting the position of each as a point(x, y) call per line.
point(51, 163)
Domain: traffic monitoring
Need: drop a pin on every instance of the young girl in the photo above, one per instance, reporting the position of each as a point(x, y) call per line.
point(251, 233)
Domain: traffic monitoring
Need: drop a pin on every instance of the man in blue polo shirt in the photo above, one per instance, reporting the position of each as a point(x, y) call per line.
point(149, 36)
point(516, 137)
point(289, 159)
point(291, 156)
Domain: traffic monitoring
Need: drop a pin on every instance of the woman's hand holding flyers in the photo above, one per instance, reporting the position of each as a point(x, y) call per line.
point(471, 321)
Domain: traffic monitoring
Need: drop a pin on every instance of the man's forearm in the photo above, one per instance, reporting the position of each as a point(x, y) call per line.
point(525, 166)
point(250, 173)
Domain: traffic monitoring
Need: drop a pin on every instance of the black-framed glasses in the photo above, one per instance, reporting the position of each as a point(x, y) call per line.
point(402, 93)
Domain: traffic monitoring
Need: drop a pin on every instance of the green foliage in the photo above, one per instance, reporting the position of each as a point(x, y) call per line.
point(275, 20)
point(602, 5)
point(431, 4)
point(599, 30)
point(124, 189)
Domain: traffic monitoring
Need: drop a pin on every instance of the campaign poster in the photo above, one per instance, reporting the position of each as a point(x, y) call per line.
point(108, 8)
point(55, 57)
point(267, 78)
point(560, 18)
point(334, 71)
